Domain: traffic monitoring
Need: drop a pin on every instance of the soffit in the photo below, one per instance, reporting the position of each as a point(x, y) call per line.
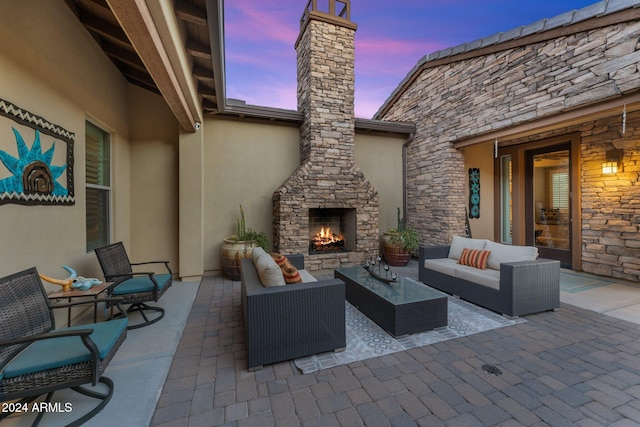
point(102, 23)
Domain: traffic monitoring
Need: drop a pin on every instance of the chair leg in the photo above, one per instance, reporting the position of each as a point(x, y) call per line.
point(105, 397)
point(142, 308)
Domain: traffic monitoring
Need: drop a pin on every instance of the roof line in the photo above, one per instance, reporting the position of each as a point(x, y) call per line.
point(591, 17)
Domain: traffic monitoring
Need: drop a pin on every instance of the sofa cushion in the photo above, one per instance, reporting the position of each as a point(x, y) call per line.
point(489, 278)
point(306, 276)
point(441, 265)
point(289, 272)
point(474, 258)
point(509, 253)
point(458, 243)
point(269, 272)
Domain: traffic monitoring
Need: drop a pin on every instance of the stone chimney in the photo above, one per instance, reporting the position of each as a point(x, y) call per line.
point(327, 177)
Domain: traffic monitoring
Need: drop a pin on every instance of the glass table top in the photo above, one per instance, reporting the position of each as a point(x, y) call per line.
point(404, 290)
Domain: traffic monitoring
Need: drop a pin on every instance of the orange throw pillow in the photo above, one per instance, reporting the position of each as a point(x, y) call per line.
point(290, 273)
point(474, 258)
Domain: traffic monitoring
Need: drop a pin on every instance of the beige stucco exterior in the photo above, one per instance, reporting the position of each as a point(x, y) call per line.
point(175, 194)
point(51, 67)
point(480, 156)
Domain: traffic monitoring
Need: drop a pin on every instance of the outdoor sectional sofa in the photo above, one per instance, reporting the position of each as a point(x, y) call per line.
point(291, 321)
point(515, 282)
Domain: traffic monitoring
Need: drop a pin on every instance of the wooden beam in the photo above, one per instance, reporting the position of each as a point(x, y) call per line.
point(104, 29)
point(198, 50)
point(136, 21)
point(202, 73)
point(123, 55)
point(190, 12)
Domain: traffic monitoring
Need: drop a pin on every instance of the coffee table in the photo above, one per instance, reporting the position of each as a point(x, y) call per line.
point(401, 307)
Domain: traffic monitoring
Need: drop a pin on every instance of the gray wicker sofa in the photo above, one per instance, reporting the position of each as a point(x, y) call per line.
point(512, 284)
point(287, 322)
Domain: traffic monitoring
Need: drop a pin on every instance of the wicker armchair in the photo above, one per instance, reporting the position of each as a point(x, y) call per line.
point(35, 359)
point(135, 288)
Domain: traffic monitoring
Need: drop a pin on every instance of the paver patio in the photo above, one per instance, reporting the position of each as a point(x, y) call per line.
point(570, 367)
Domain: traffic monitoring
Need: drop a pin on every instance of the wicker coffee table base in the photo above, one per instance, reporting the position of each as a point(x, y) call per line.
point(396, 319)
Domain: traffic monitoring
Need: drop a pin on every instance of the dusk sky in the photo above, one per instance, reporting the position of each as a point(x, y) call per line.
point(392, 36)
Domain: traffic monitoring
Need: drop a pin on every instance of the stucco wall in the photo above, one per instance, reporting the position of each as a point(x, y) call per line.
point(154, 178)
point(52, 67)
point(481, 156)
point(246, 162)
point(496, 91)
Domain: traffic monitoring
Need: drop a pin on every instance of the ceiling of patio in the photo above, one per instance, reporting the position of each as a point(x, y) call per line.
point(191, 15)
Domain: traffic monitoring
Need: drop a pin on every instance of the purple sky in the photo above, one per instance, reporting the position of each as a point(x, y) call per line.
point(392, 36)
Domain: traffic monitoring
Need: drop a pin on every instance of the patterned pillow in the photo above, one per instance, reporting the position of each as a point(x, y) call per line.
point(474, 258)
point(290, 273)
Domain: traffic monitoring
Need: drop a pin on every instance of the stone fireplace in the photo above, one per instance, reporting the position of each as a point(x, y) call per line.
point(327, 181)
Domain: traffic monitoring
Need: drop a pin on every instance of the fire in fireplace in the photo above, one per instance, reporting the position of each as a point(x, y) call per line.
point(327, 241)
point(331, 230)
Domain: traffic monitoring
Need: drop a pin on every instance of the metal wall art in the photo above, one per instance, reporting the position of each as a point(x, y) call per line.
point(474, 193)
point(29, 175)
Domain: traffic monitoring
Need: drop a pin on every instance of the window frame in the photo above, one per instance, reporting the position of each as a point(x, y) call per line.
point(108, 189)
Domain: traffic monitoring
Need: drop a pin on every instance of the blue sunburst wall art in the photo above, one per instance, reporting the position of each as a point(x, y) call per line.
point(39, 174)
point(474, 193)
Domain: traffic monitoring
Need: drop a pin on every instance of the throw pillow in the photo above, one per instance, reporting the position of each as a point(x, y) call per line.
point(474, 258)
point(269, 272)
point(289, 272)
point(458, 243)
point(501, 253)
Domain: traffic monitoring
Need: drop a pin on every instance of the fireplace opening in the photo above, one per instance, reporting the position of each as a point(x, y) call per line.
point(332, 230)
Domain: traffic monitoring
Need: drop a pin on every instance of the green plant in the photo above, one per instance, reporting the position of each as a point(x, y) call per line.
point(404, 236)
point(248, 234)
point(407, 238)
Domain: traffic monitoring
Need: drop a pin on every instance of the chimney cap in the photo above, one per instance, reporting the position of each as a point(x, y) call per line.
point(332, 8)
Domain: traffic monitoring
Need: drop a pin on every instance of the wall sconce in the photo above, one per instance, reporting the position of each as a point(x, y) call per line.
point(613, 162)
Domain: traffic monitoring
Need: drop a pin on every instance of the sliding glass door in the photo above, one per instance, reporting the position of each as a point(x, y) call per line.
point(548, 202)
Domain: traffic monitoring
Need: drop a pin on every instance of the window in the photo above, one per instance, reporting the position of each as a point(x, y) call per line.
point(560, 190)
point(98, 185)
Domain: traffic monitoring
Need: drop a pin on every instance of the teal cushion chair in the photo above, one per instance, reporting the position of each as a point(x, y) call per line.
point(36, 359)
point(134, 288)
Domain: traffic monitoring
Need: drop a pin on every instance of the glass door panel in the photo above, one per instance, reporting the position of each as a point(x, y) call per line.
point(549, 218)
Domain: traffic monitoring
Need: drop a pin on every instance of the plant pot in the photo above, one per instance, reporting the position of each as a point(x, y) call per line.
point(394, 254)
point(232, 252)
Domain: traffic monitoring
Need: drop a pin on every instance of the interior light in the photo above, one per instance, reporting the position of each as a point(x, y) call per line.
point(609, 168)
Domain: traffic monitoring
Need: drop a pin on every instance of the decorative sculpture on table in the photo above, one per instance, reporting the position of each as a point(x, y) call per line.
point(73, 281)
point(388, 277)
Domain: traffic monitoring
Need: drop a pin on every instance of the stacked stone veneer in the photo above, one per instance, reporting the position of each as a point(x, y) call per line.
point(610, 204)
point(327, 176)
point(459, 99)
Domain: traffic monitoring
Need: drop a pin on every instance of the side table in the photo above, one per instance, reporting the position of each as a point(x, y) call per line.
point(93, 291)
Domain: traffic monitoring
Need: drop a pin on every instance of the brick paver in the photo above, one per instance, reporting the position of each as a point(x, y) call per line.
point(569, 367)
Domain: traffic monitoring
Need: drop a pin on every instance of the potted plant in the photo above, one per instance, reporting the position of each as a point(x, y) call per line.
point(240, 245)
point(399, 244)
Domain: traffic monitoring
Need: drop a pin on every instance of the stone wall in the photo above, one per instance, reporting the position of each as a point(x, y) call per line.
point(610, 204)
point(470, 97)
point(328, 176)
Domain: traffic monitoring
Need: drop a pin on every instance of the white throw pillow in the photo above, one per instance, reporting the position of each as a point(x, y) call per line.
point(458, 243)
point(269, 272)
point(509, 253)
